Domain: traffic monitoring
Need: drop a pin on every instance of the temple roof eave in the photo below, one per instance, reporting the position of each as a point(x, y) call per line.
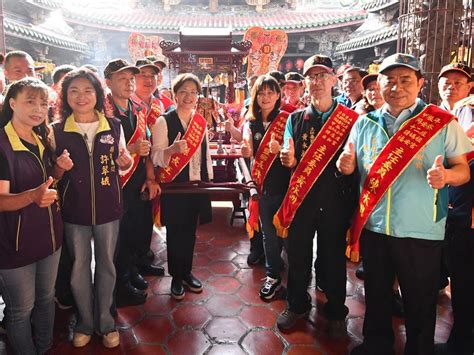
point(375, 38)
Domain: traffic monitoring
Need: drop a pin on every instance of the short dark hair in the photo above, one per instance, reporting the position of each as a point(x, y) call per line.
point(17, 54)
point(60, 71)
point(263, 81)
point(63, 108)
point(182, 78)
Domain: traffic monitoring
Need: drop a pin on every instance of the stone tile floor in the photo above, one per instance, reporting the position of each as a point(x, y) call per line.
point(228, 317)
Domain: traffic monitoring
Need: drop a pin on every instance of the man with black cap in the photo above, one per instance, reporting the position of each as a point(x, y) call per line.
point(317, 200)
point(293, 91)
point(168, 104)
point(455, 83)
point(120, 79)
point(406, 154)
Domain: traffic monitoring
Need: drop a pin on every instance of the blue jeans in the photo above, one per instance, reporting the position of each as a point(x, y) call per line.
point(272, 243)
point(28, 292)
point(93, 300)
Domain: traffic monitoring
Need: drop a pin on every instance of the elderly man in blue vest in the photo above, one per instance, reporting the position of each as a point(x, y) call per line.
point(406, 153)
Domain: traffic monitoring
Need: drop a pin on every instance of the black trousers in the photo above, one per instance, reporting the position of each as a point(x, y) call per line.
point(180, 241)
point(416, 263)
point(331, 238)
point(136, 228)
point(460, 253)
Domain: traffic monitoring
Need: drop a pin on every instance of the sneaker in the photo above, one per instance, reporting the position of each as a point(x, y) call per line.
point(287, 319)
point(111, 340)
point(337, 329)
point(269, 287)
point(80, 340)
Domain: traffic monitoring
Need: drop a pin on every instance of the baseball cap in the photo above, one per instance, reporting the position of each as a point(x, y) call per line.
point(342, 69)
point(118, 65)
point(459, 67)
point(142, 63)
point(160, 63)
point(400, 60)
point(318, 61)
point(366, 80)
point(362, 72)
point(294, 77)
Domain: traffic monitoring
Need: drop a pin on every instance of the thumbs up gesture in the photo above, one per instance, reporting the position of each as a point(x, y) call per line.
point(64, 161)
point(141, 147)
point(436, 175)
point(43, 196)
point(124, 160)
point(287, 154)
point(346, 163)
point(179, 145)
point(245, 149)
point(274, 145)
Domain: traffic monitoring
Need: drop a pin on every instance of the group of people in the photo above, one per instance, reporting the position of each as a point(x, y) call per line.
point(79, 161)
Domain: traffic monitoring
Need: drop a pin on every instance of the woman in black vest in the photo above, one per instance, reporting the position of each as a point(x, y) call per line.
point(180, 213)
point(30, 221)
point(264, 109)
point(91, 200)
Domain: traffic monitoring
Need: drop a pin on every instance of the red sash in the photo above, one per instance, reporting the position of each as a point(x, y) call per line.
point(392, 161)
point(140, 131)
point(193, 136)
point(326, 144)
point(261, 166)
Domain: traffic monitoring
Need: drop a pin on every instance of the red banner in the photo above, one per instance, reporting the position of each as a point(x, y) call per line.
point(392, 161)
point(318, 155)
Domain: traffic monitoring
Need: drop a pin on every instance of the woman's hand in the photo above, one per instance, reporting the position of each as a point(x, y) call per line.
point(43, 196)
point(64, 161)
point(179, 145)
point(124, 160)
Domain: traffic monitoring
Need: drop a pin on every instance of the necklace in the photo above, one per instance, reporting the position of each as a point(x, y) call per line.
point(85, 132)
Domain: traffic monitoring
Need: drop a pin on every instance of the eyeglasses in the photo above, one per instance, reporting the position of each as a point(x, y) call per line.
point(318, 76)
point(187, 93)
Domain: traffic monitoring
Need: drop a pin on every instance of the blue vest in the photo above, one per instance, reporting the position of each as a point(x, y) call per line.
point(410, 208)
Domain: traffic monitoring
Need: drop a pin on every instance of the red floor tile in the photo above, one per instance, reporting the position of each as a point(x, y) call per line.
point(228, 317)
point(224, 305)
point(145, 349)
point(223, 284)
point(190, 315)
point(188, 342)
point(153, 330)
point(224, 254)
point(225, 330)
point(226, 349)
point(222, 268)
point(304, 350)
point(262, 342)
point(159, 305)
point(258, 316)
point(129, 316)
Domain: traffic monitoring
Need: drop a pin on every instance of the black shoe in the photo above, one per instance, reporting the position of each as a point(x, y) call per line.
point(127, 295)
point(149, 269)
point(255, 257)
point(287, 319)
point(177, 289)
point(397, 304)
point(138, 281)
point(192, 283)
point(148, 257)
point(360, 272)
point(337, 329)
point(359, 350)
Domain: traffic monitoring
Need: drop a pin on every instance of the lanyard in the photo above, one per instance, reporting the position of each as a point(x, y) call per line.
point(129, 113)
